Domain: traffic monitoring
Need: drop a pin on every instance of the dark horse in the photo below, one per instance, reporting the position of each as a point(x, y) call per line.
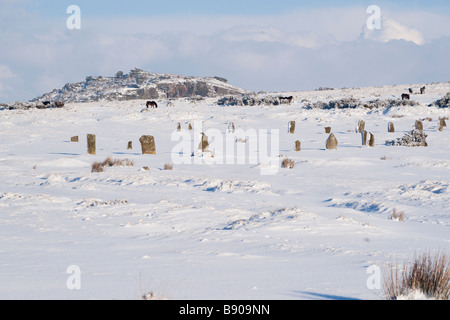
point(288, 99)
point(152, 104)
point(422, 90)
point(406, 96)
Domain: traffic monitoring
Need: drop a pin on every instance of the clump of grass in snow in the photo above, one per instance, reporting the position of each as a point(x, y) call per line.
point(398, 215)
point(109, 162)
point(288, 163)
point(428, 277)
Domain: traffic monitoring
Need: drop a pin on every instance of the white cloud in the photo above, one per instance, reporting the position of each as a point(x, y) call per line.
point(393, 30)
point(295, 51)
point(270, 34)
point(6, 72)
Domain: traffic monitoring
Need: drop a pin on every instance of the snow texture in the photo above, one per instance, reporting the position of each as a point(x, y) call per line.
point(207, 230)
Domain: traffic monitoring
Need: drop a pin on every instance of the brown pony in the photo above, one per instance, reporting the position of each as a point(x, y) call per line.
point(406, 96)
point(152, 104)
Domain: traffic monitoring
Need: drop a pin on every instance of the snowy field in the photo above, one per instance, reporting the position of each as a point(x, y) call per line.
point(218, 231)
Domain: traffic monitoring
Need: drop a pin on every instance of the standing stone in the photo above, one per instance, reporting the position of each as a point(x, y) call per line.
point(298, 146)
point(91, 144)
point(190, 127)
point(148, 145)
point(130, 145)
point(419, 125)
point(328, 130)
point(179, 126)
point(231, 127)
point(204, 144)
point(442, 124)
point(371, 140)
point(391, 128)
point(364, 137)
point(361, 126)
point(292, 127)
point(332, 142)
point(74, 139)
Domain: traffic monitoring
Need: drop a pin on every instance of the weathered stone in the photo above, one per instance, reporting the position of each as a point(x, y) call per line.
point(148, 144)
point(74, 139)
point(442, 124)
point(179, 126)
point(371, 140)
point(332, 142)
point(328, 130)
point(364, 137)
point(204, 144)
point(231, 127)
point(361, 126)
point(91, 141)
point(190, 126)
point(298, 146)
point(419, 125)
point(391, 128)
point(292, 127)
point(130, 145)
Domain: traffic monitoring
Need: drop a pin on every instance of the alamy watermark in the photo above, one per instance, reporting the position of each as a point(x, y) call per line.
point(74, 280)
point(374, 280)
point(374, 21)
point(73, 22)
point(255, 147)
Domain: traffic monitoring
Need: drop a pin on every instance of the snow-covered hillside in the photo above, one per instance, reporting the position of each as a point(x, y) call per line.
point(139, 84)
point(218, 230)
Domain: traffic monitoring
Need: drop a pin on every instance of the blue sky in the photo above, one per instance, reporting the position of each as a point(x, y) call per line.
point(220, 7)
point(258, 45)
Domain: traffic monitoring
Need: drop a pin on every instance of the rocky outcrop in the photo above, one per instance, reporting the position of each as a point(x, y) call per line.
point(31, 105)
point(141, 85)
point(252, 99)
point(415, 138)
point(444, 102)
point(352, 103)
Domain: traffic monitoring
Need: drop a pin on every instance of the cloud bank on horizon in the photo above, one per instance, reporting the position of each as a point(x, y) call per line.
point(297, 47)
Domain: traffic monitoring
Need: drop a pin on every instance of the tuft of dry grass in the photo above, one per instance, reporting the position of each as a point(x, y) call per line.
point(168, 166)
point(110, 162)
point(288, 163)
point(427, 277)
point(398, 215)
point(97, 167)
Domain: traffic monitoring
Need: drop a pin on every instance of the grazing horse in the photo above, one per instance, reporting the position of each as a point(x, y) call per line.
point(405, 96)
point(289, 99)
point(411, 90)
point(152, 104)
point(59, 104)
point(422, 90)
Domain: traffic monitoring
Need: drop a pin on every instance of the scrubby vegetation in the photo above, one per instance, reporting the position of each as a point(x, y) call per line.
point(109, 162)
point(428, 277)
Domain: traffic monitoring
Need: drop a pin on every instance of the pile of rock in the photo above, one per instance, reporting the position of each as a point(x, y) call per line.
point(141, 85)
point(444, 102)
point(31, 105)
point(352, 103)
point(415, 138)
point(252, 99)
